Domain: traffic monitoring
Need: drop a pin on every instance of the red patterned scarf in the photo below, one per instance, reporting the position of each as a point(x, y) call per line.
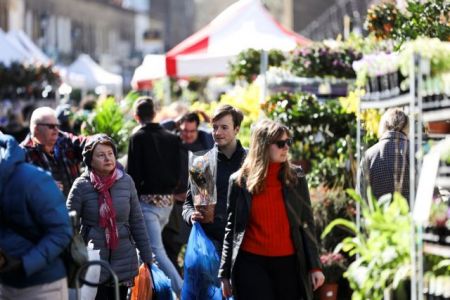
point(107, 214)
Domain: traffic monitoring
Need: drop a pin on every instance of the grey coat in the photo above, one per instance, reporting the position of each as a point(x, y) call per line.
point(129, 219)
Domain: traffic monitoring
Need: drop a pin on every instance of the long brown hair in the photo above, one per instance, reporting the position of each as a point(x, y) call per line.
point(254, 168)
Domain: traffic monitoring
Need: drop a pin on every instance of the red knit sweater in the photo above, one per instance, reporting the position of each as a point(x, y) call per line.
point(268, 232)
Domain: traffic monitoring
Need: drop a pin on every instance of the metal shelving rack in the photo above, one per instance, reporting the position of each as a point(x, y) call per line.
point(442, 180)
point(413, 103)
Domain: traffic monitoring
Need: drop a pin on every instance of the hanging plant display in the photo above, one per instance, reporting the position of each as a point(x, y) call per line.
point(27, 81)
point(247, 64)
point(381, 20)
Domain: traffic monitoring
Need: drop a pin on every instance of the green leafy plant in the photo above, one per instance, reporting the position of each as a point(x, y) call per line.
point(381, 246)
point(429, 18)
point(247, 64)
point(108, 118)
point(321, 132)
point(327, 205)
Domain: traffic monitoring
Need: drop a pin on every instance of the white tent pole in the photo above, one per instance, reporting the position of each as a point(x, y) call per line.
point(167, 95)
point(263, 69)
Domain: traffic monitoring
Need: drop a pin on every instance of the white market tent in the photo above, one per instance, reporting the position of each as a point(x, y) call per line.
point(21, 39)
point(85, 73)
point(9, 52)
point(245, 24)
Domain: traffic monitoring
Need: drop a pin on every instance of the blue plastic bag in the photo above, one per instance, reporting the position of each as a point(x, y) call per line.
point(201, 267)
point(161, 284)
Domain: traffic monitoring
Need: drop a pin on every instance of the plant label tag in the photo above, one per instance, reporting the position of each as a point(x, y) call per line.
point(425, 188)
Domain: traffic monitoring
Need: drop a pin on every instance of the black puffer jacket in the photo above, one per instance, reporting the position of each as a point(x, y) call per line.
point(129, 220)
point(298, 208)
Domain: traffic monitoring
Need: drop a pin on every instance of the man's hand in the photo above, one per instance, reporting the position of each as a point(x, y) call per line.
point(317, 279)
point(227, 291)
point(196, 217)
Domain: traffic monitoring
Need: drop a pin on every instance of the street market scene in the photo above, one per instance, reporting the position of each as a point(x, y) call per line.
point(232, 149)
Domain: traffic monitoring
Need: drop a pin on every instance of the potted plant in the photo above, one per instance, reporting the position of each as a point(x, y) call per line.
point(381, 20)
point(247, 64)
point(333, 267)
point(381, 246)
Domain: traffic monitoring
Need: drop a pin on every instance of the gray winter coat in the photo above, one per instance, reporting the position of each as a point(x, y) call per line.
point(129, 219)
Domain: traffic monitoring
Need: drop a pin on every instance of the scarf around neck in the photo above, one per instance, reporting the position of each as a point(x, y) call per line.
point(107, 213)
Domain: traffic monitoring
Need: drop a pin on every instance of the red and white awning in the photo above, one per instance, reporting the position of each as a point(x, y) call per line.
point(245, 24)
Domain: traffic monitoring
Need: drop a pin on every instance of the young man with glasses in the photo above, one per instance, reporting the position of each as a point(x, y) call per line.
point(53, 150)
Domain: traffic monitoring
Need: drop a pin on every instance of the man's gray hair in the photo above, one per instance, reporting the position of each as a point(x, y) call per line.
point(394, 119)
point(39, 114)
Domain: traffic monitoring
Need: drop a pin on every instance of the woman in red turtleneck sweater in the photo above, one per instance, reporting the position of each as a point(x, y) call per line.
point(269, 250)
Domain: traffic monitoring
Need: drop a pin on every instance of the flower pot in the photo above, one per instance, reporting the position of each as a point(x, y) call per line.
point(328, 291)
point(439, 127)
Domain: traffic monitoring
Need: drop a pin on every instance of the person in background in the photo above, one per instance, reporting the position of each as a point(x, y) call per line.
point(193, 141)
point(191, 135)
point(154, 164)
point(269, 250)
point(105, 199)
point(53, 150)
point(227, 155)
point(385, 165)
point(34, 229)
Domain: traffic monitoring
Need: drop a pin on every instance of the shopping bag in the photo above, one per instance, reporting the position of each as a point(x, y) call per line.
point(92, 275)
point(201, 266)
point(143, 285)
point(161, 284)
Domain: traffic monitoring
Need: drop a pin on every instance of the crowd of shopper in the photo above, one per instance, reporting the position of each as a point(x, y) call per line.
point(262, 227)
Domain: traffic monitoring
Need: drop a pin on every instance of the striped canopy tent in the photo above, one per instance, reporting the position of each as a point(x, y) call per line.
point(245, 24)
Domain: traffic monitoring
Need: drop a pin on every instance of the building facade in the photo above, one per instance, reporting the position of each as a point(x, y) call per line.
point(113, 32)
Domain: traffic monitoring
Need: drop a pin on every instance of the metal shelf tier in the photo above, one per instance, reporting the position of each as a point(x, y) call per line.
point(386, 103)
point(435, 249)
point(436, 115)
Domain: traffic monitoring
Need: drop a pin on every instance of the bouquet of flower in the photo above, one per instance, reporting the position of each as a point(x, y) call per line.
point(203, 188)
point(334, 265)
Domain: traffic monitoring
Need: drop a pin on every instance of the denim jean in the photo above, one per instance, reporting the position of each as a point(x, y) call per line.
point(155, 219)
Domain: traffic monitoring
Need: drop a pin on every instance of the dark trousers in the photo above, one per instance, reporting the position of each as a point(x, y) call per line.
point(107, 293)
point(265, 277)
point(175, 234)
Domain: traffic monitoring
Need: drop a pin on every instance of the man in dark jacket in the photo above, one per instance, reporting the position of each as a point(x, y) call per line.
point(34, 229)
point(193, 141)
point(385, 165)
point(154, 164)
point(53, 150)
point(226, 157)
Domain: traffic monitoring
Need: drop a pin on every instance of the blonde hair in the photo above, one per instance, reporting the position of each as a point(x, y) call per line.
point(394, 119)
point(254, 168)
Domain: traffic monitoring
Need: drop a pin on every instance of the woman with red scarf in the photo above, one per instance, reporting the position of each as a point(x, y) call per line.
point(106, 201)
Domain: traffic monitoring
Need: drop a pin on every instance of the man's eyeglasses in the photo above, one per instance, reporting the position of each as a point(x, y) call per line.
point(280, 144)
point(50, 126)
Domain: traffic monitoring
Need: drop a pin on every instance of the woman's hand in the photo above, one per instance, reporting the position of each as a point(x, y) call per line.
point(317, 279)
point(226, 287)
